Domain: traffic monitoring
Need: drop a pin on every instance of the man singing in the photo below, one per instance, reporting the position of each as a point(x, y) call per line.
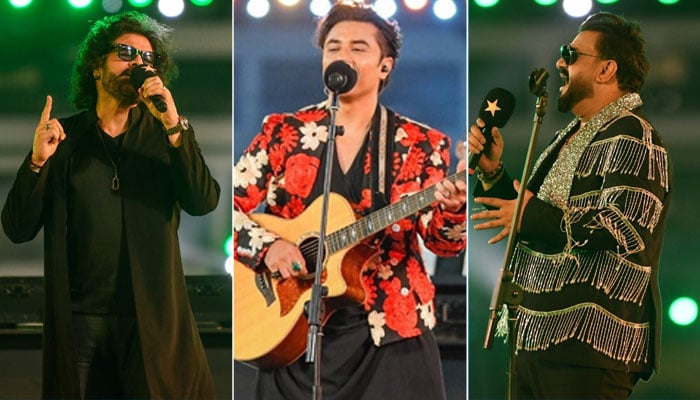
point(383, 348)
point(107, 186)
point(592, 226)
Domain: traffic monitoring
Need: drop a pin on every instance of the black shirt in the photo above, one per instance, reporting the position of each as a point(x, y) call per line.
point(100, 280)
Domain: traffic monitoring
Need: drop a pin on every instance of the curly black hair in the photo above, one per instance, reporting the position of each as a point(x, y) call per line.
point(93, 52)
point(621, 40)
point(389, 31)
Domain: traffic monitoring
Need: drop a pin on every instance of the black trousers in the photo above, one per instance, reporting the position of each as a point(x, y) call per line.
point(538, 377)
point(109, 357)
point(352, 368)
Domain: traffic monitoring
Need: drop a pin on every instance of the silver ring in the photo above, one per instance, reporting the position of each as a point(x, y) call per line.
point(446, 194)
point(276, 275)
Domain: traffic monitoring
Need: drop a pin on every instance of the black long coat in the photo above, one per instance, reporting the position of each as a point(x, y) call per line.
point(157, 181)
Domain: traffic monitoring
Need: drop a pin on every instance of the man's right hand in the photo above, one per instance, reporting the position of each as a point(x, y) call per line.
point(284, 259)
point(490, 154)
point(47, 136)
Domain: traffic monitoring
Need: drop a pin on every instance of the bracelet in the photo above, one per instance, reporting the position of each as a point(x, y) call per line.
point(34, 167)
point(490, 177)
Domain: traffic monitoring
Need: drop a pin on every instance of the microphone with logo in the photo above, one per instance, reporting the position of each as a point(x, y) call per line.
point(339, 77)
point(496, 109)
point(138, 75)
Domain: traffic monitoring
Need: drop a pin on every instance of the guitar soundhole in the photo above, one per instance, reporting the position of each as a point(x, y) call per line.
point(309, 249)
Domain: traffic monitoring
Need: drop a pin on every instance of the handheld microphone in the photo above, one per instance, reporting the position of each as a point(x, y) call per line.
point(495, 110)
point(339, 77)
point(138, 75)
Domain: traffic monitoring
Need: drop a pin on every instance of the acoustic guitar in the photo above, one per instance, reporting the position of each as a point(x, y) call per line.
point(269, 323)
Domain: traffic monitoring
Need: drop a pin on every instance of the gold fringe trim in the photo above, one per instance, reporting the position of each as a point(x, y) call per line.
point(625, 155)
point(618, 278)
point(587, 322)
point(637, 204)
point(626, 236)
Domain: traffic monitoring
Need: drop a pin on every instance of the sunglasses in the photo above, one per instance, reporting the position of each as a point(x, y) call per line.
point(128, 53)
point(570, 55)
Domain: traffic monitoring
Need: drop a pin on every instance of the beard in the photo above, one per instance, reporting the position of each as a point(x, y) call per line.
point(120, 87)
point(578, 90)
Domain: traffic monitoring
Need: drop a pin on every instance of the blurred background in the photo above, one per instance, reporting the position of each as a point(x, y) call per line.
point(277, 68)
point(40, 39)
point(507, 40)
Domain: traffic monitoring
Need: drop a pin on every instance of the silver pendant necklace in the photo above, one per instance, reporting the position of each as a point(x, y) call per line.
point(114, 185)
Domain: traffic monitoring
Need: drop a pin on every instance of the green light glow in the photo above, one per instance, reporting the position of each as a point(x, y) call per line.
point(683, 311)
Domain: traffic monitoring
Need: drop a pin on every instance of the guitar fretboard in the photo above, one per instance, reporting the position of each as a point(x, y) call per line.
point(384, 217)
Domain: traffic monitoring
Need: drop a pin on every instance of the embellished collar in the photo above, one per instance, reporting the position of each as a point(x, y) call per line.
point(556, 186)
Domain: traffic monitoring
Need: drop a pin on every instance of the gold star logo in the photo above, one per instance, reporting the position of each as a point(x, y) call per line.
point(493, 107)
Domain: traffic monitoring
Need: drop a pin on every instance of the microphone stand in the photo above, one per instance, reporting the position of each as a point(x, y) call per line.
point(506, 292)
point(315, 308)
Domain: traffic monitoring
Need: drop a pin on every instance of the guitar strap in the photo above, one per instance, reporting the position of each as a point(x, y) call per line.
point(381, 181)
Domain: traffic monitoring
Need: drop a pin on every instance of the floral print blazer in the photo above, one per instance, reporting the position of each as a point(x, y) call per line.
point(279, 170)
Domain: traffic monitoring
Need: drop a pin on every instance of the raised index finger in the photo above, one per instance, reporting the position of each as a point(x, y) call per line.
point(46, 112)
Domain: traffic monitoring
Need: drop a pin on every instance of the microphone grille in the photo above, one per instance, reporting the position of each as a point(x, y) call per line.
point(140, 73)
point(339, 77)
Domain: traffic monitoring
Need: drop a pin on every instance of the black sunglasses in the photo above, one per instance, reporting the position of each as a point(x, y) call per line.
point(570, 55)
point(128, 53)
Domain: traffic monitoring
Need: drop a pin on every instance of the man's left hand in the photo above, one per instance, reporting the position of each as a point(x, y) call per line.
point(501, 216)
point(452, 196)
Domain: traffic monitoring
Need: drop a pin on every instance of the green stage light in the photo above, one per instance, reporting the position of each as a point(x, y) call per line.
point(20, 3)
point(79, 3)
point(201, 3)
point(683, 311)
point(486, 3)
point(668, 2)
point(228, 246)
point(140, 3)
point(607, 1)
point(545, 2)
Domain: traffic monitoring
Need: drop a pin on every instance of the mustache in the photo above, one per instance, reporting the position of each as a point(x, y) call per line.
point(564, 73)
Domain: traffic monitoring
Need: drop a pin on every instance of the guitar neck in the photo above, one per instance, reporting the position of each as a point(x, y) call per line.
point(384, 217)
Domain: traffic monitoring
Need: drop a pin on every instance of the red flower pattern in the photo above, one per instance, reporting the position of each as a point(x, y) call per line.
point(434, 176)
point(289, 136)
point(414, 134)
point(420, 283)
point(413, 166)
point(301, 174)
point(313, 115)
point(435, 138)
point(400, 309)
point(403, 285)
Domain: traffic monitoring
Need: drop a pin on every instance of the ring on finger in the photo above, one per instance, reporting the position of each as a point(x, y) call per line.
point(48, 126)
point(275, 275)
point(296, 266)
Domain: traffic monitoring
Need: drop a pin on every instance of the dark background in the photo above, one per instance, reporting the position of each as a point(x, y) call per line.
point(506, 43)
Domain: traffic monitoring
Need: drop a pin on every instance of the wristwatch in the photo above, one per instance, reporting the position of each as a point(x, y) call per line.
point(182, 125)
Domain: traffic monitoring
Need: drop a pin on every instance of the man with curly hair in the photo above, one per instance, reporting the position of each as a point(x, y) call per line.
point(383, 348)
point(107, 185)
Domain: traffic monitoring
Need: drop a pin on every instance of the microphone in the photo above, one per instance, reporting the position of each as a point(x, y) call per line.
point(339, 77)
point(538, 81)
point(138, 75)
point(496, 109)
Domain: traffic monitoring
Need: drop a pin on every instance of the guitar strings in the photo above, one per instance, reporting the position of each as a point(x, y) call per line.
point(309, 250)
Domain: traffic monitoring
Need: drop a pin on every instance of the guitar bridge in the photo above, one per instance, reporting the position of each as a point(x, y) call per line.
point(264, 284)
